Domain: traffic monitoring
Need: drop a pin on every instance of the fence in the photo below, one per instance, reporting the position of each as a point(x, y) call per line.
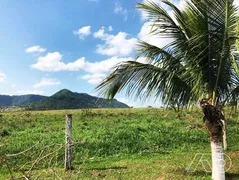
point(46, 155)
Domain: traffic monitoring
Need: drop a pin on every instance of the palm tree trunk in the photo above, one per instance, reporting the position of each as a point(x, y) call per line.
point(218, 172)
point(224, 129)
point(215, 131)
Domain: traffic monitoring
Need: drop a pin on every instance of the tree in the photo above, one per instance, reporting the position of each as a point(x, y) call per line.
point(201, 61)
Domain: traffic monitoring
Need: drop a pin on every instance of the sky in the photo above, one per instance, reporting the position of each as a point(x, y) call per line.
point(46, 46)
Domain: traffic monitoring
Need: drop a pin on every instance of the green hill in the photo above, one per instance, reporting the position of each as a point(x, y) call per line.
point(6, 100)
point(65, 99)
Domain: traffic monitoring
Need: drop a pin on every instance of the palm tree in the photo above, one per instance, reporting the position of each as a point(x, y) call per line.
point(201, 61)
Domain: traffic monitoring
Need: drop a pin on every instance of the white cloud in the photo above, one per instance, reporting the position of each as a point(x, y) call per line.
point(144, 15)
point(115, 45)
point(148, 37)
point(105, 65)
point(98, 70)
point(75, 66)
point(236, 3)
point(93, 0)
point(3, 77)
point(110, 28)
point(179, 3)
point(53, 62)
point(139, 103)
point(100, 33)
point(83, 32)
point(24, 92)
point(118, 9)
point(127, 101)
point(34, 49)
point(142, 60)
point(47, 82)
point(13, 85)
point(94, 78)
point(182, 3)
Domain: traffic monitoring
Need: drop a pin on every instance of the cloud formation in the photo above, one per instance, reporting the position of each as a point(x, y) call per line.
point(96, 71)
point(47, 82)
point(83, 32)
point(105, 65)
point(115, 45)
point(127, 101)
point(52, 62)
point(35, 49)
point(99, 70)
point(3, 77)
point(25, 92)
point(146, 35)
point(179, 3)
point(118, 9)
point(110, 28)
point(94, 78)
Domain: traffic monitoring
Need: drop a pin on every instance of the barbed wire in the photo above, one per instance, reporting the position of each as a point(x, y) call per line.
point(43, 154)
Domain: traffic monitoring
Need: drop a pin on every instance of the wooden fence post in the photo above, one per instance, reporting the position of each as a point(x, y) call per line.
point(68, 150)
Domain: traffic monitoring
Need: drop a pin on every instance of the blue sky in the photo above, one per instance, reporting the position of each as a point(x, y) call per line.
point(46, 46)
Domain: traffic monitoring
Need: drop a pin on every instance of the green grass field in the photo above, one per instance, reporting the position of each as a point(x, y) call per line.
point(110, 144)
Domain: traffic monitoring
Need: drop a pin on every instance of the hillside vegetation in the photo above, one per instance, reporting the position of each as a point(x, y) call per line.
point(110, 144)
point(65, 99)
point(20, 100)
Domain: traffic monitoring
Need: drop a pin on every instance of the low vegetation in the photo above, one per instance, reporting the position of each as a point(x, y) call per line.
point(112, 144)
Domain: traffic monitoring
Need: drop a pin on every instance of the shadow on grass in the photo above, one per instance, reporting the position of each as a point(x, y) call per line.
point(233, 123)
point(197, 173)
point(232, 176)
point(107, 168)
point(229, 176)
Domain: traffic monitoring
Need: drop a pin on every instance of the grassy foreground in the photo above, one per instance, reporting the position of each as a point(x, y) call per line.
point(111, 144)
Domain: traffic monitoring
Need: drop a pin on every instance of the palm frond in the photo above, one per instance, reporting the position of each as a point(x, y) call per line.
point(145, 80)
point(162, 23)
point(202, 58)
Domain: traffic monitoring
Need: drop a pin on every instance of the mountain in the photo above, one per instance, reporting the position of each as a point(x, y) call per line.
point(65, 99)
point(21, 100)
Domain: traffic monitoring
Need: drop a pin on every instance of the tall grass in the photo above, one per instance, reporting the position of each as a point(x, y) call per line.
point(101, 134)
